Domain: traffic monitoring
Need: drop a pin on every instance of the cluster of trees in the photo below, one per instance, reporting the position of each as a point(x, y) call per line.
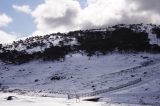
point(15, 57)
point(156, 31)
point(19, 57)
point(56, 52)
point(122, 39)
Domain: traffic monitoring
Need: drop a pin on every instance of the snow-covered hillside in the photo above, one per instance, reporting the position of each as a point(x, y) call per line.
point(119, 38)
point(40, 43)
point(77, 72)
point(119, 65)
point(81, 74)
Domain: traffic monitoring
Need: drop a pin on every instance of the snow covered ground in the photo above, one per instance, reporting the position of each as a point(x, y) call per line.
point(77, 71)
point(81, 74)
point(20, 100)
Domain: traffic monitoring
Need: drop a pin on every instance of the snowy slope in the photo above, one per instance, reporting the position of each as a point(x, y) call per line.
point(40, 43)
point(81, 74)
point(77, 71)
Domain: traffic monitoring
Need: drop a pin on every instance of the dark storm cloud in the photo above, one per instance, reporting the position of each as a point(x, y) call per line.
point(147, 5)
point(133, 19)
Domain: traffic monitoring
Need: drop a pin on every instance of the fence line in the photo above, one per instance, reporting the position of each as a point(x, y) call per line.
point(89, 94)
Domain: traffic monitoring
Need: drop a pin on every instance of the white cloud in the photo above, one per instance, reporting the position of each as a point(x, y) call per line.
point(66, 15)
point(56, 15)
point(4, 20)
point(101, 12)
point(6, 37)
point(24, 8)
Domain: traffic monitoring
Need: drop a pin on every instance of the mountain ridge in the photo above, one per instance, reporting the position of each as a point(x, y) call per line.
point(121, 38)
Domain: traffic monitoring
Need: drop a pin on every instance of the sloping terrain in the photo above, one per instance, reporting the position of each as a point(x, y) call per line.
point(119, 38)
point(81, 74)
point(77, 72)
point(119, 64)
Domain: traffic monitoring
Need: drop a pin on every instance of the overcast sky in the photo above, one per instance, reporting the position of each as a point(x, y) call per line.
point(22, 18)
